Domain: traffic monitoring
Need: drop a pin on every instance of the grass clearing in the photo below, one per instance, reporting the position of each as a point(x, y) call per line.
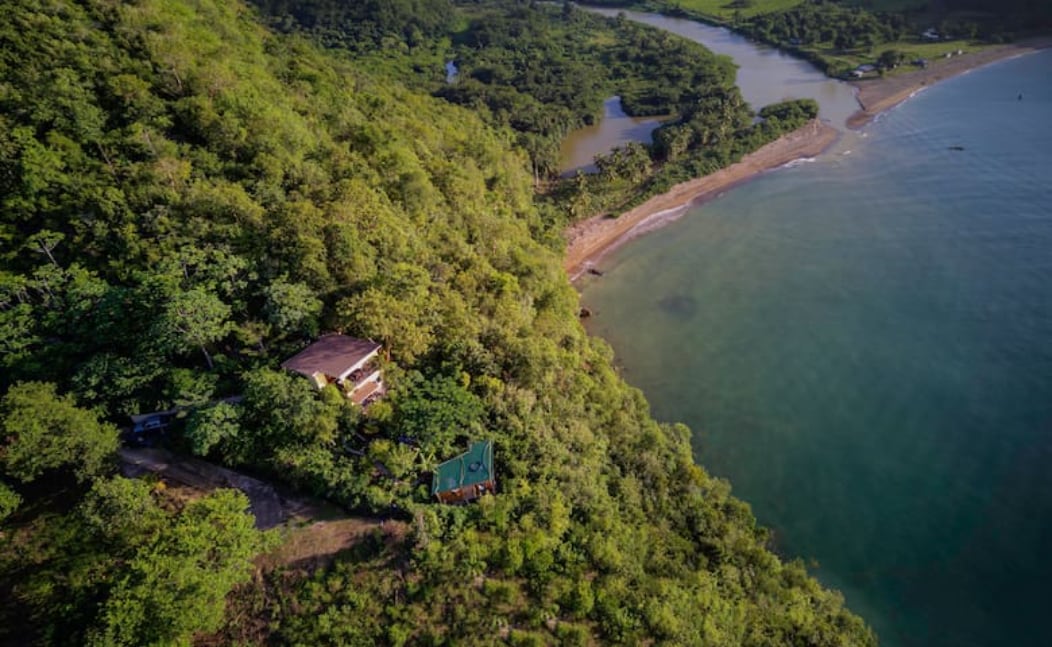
point(725, 9)
point(888, 5)
point(914, 49)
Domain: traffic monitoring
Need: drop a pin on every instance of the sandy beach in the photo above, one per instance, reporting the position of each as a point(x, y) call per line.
point(589, 240)
point(880, 94)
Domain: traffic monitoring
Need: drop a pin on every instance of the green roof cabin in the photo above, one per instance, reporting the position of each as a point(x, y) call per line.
point(467, 476)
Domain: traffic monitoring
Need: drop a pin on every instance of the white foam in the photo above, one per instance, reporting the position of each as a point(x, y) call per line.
point(798, 162)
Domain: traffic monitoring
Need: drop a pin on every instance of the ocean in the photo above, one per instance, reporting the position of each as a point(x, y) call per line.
point(863, 347)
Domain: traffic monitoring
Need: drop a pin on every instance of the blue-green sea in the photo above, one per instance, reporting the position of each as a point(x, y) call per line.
point(863, 347)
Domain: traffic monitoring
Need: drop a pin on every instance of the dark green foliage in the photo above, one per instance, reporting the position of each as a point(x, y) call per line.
point(436, 412)
point(543, 71)
point(890, 59)
point(824, 21)
point(363, 25)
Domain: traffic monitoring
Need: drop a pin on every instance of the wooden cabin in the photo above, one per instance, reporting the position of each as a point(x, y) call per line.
point(467, 476)
point(349, 363)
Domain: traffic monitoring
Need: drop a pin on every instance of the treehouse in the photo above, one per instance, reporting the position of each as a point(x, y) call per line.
point(349, 363)
point(467, 476)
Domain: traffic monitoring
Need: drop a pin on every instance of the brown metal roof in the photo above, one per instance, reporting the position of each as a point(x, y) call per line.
point(331, 355)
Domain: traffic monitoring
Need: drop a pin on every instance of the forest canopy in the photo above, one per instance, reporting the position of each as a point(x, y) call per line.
point(187, 197)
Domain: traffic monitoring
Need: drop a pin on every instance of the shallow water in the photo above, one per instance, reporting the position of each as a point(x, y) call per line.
point(863, 346)
point(581, 146)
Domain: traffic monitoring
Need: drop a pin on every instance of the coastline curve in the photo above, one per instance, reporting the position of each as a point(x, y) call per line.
point(591, 239)
point(879, 95)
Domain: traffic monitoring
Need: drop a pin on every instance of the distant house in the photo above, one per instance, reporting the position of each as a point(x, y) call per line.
point(347, 362)
point(467, 476)
point(863, 70)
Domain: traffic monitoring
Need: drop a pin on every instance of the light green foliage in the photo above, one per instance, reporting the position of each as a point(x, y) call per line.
point(292, 307)
point(9, 501)
point(121, 512)
point(193, 320)
point(210, 426)
point(120, 569)
point(46, 431)
point(175, 585)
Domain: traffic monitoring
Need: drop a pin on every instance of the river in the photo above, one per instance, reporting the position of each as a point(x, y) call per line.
point(580, 147)
point(765, 76)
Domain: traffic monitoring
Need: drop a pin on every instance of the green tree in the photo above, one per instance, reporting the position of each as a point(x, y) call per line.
point(292, 307)
point(176, 583)
point(194, 319)
point(121, 512)
point(209, 427)
point(436, 411)
point(47, 431)
point(9, 501)
point(889, 59)
point(284, 409)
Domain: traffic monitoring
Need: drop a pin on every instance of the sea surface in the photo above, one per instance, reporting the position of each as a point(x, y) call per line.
point(863, 347)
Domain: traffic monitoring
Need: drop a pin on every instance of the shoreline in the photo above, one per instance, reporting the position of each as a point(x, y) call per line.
point(589, 240)
point(881, 94)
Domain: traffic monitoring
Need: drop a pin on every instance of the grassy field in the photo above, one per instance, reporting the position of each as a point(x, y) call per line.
point(888, 5)
point(724, 9)
point(914, 49)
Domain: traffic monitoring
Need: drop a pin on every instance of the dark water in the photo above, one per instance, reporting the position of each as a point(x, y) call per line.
point(863, 346)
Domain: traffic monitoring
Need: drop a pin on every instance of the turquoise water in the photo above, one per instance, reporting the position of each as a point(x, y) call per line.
point(863, 346)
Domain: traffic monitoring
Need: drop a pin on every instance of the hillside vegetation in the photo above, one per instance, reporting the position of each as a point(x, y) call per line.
point(544, 69)
point(189, 197)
